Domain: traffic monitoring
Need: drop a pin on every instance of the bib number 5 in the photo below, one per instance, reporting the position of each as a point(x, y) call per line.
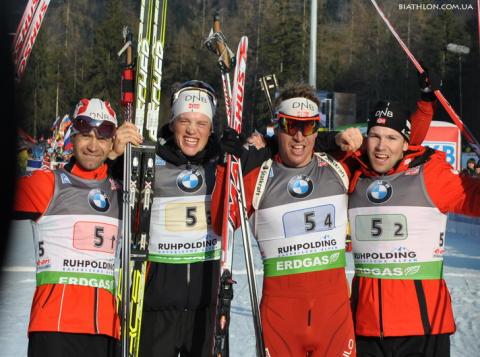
point(184, 217)
point(95, 236)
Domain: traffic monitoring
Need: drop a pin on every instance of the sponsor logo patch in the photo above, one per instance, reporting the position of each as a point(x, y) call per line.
point(98, 200)
point(189, 180)
point(300, 186)
point(114, 185)
point(159, 161)
point(65, 180)
point(413, 171)
point(439, 252)
point(379, 191)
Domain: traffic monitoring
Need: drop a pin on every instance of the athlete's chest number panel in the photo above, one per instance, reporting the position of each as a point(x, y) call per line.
point(381, 227)
point(309, 220)
point(96, 236)
point(189, 216)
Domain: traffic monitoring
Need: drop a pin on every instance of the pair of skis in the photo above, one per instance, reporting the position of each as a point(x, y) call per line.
point(139, 164)
point(235, 202)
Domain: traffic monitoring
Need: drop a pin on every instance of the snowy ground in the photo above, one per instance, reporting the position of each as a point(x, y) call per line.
point(462, 272)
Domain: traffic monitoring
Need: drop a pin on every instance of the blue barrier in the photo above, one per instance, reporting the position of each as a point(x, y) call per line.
point(463, 225)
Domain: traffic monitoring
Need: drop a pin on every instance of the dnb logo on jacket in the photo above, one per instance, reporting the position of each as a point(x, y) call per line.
point(189, 180)
point(98, 200)
point(300, 186)
point(379, 191)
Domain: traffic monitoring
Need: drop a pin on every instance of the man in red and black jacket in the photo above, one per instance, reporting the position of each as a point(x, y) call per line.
point(399, 198)
point(76, 214)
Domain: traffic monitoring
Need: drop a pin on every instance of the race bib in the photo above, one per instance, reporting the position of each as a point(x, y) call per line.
point(95, 236)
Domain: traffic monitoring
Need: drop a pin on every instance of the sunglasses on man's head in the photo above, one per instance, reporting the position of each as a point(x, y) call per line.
point(290, 126)
point(103, 129)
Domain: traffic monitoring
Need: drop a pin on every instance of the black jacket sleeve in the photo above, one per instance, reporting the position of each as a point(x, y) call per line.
point(325, 141)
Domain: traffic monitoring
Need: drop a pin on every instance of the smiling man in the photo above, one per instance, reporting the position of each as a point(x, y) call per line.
point(76, 214)
point(387, 138)
point(299, 203)
point(398, 209)
point(183, 270)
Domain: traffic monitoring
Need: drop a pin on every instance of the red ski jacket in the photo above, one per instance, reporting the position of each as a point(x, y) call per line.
point(392, 307)
point(61, 307)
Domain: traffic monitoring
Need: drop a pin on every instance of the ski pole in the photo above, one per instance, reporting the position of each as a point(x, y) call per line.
point(446, 105)
point(127, 98)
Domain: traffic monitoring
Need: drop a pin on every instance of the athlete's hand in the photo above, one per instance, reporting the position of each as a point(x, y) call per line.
point(257, 140)
point(126, 133)
point(429, 82)
point(231, 142)
point(349, 140)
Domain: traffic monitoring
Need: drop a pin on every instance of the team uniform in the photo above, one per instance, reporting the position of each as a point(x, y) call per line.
point(184, 252)
point(400, 300)
point(76, 230)
point(300, 225)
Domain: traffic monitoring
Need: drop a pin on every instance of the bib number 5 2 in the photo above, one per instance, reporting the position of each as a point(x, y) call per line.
point(381, 227)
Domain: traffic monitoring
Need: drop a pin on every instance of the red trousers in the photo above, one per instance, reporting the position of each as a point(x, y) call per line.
point(308, 315)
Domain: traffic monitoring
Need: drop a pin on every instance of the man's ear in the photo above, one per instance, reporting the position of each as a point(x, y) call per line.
point(405, 145)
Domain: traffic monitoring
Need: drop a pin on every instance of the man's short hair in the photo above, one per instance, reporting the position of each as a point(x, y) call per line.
point(293, 90)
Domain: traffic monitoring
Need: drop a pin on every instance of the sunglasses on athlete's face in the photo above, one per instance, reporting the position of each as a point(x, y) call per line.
point(103, 129)
point(292, 126)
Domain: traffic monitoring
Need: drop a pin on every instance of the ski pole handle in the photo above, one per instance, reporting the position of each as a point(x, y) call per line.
point(269, 86)
point(221, 48)
point(128, 75)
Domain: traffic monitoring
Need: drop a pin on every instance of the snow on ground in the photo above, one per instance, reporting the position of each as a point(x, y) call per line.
point(462, 272)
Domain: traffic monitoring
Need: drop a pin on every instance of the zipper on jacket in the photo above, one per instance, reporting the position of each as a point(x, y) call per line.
point(95, 311)
point(188, 167)
point(188, 287)
point(380, 315)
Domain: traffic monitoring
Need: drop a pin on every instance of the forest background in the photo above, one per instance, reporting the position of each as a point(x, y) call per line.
point(75, 54)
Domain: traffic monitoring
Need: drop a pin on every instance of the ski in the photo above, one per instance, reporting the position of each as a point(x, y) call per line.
point(23, 26)
point(27, 34)
point(236, 180)
point(472, 141)
point(235, 195)
point(139, 168)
